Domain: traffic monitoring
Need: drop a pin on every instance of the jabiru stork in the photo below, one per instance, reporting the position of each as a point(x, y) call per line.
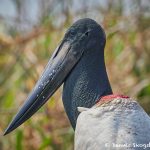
point(78, 62)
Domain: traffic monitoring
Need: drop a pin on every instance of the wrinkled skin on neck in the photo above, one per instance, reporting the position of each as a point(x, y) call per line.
point(86, 83)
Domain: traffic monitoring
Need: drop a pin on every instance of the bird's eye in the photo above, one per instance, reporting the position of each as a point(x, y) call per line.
point(87, 33)
point(72, 33)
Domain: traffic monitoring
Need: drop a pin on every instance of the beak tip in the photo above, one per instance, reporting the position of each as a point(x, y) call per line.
point(9, 129)
point(6, 132)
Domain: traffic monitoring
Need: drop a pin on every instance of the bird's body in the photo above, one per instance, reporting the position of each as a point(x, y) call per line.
point(117, 123)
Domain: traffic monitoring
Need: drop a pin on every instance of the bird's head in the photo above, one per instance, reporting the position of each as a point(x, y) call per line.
point(83, 35)
point(78, 41)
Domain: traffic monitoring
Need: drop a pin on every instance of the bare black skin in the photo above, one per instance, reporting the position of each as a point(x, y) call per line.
point(78, 62)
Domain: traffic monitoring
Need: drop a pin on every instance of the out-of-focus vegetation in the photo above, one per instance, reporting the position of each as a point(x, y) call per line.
point(23, 55)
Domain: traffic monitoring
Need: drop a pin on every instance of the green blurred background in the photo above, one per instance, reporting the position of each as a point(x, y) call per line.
point(29, 32)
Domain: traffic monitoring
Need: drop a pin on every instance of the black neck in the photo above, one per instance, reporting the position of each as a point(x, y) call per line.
point(86, 83)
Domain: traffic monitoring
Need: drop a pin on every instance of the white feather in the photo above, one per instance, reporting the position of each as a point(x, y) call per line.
point(118, 125)
point(81, 109)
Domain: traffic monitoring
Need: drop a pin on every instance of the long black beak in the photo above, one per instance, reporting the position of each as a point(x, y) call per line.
point(57, 69)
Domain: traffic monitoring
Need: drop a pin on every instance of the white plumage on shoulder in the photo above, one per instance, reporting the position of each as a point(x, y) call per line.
point(113, 124)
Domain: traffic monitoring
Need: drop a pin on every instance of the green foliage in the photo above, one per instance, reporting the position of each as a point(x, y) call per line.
point(145, 91)
point(19, 140)
point(118, 47)
point(8, 99)
point(46, 143)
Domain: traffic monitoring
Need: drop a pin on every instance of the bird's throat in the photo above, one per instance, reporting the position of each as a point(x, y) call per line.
point(85, 84)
